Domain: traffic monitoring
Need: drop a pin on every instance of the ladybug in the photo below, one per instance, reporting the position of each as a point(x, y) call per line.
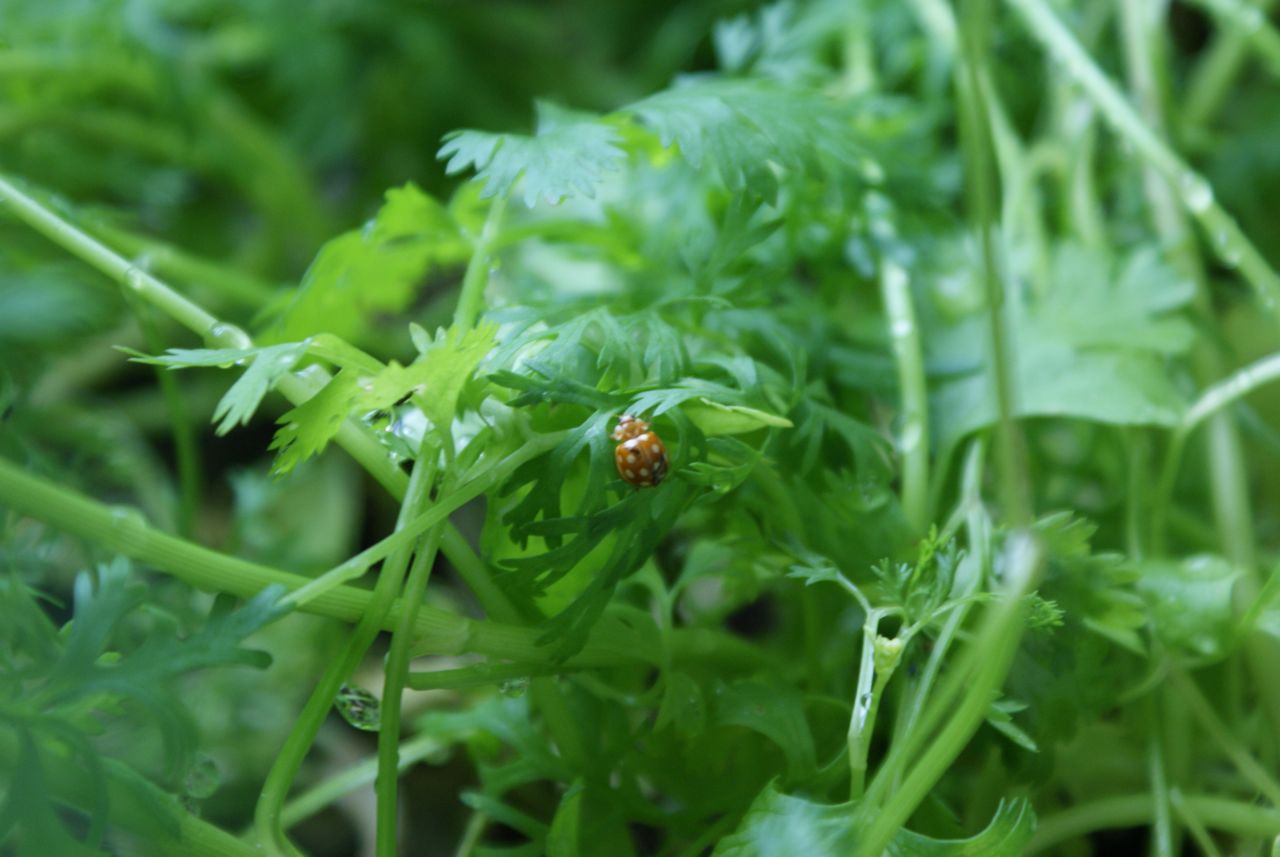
point(640, 456)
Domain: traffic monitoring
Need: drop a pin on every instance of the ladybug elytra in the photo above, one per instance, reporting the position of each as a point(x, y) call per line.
point(641, 456)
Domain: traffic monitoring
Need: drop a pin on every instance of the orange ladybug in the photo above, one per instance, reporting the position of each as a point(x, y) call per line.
point(640, 456)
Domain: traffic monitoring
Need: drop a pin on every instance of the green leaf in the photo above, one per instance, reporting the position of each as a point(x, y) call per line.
point(1000, 718)
point(743, 129)
point(266, 366)
point(683, 706)
point(1190, 602)
point(714, 418)
point(436, 378)
point(1095, 346)
point(306, 429)
point(562, 838)
point(780, 825)
point(567, 155)
point(373, 270)
point(776, 711)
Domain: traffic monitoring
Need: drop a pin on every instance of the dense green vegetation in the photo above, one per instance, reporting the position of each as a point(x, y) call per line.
point(957, 321)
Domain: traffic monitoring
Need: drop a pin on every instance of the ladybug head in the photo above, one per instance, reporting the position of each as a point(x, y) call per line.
point(629, 427)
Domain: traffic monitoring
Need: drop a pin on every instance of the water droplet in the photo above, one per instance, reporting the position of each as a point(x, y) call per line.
point(872, 172)
point(515, 687)
point(1196, 192)
point(135, 278)
point(1228, 249)
point(202, 778)
point(128, 518)
point(359, 707)
point(228, 336)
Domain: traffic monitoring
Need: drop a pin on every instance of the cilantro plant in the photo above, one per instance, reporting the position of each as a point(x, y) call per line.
point(955, 321)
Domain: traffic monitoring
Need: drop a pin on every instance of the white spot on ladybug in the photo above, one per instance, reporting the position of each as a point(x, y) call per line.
point(656, 449)
point(632, 458)
point(644, 471)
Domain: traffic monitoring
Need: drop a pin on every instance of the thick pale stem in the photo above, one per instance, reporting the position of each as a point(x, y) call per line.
point(913, 440)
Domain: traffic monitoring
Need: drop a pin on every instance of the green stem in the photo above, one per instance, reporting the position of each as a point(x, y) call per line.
point(978, 527)
point(1196, 194)
point(324, 793)
point(1212, 401)
point(185, 453)
point(231, 285)
point(471, 298)
point(480, 675)
point(959, 707)
point(397, 666)
point(488, 477)
point(982, 179)
point(125, 531)
point(1230, 816)
point(913, 441)
point(1193, 824)
point(355, 438)
point(1162, 835)
point(872, 679)
point(471, 835)
point(115, 266)
point(1249, 22)
point(267, 815)
point(1240, 756)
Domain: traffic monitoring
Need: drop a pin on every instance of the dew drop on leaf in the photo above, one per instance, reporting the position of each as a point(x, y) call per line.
point(359, 707)
point(202, 778)
point(1196, 192)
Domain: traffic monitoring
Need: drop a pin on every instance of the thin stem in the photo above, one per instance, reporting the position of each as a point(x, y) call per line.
point(1162, 835)
point(1193, 824)
point(480, 675)
point(386, 830)
point(959, 707)
point(978, 526)
point(913, 440)
point(267, 814)
point(471, 298)
point(1212, 401)
point(1230, 816)
point(185, 453)
point(125, 531)
point(982, 180)
point(1250, 23)
point(231, 285)
point(1230, 244)
point(355, 438)
point(490, 475)
point(471, 835)
point(1240, 756)
point(878, 663)
point(329, 791)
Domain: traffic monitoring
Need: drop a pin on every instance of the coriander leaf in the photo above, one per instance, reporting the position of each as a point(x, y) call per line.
point(1190, 602)
point(567, 155)
point(307, 428)
point(372, 270)
point(776, 711)
point(742, 128)
point(1000, 718)
point(781, 825)
point(266, 366)
point(1094, 345)
point(444, 367)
